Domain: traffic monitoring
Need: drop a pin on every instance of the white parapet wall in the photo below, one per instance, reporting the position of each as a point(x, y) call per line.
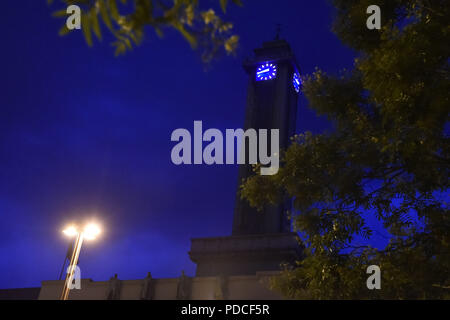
point(200, 288)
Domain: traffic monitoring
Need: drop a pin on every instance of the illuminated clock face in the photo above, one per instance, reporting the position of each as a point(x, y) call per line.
point(266, 71)
point(297, 82)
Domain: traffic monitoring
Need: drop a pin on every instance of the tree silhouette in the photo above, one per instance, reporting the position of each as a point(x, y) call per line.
point(128, 20)
point(387, 157)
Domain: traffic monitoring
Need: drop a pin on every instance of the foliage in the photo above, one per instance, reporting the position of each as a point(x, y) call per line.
point(388, 157)
point(127, 20)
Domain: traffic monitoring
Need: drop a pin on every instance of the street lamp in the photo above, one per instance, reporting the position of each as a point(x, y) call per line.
point(90, 232)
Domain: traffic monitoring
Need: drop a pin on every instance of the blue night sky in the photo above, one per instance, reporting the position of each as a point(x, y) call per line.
point(86, 135)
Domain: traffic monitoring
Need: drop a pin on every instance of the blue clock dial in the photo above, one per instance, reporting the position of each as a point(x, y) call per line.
point(266, 71)
point(297, 82)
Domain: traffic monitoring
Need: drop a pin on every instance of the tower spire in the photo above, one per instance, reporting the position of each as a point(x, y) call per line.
point(278, 31)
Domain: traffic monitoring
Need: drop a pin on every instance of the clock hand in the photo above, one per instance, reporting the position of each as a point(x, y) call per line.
point(263, 71)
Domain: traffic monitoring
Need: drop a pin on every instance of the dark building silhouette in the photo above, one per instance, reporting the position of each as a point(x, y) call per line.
point(20, 294)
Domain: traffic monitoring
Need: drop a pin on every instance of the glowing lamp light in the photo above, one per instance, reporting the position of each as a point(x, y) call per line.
point(91, 231)
point(70, 231)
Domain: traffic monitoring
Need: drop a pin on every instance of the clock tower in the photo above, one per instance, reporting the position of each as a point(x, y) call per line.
point(272, 99)
point(260, 241)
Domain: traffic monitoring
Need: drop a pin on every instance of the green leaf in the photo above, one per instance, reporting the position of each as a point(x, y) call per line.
point(113, 9)
point(60, 13)
point(120, 48)
point(159, 32)
point(105, 15)
point(64, 30)
point(95, 24)
point(187, 35)
point(223, 4)
point(86, 27)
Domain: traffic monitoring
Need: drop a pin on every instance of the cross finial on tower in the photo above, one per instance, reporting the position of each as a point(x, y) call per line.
point(278, 30)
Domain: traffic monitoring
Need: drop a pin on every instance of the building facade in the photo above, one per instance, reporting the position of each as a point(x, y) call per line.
point(183, 288)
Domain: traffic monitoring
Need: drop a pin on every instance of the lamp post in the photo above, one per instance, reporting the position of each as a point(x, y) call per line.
point(90, 232)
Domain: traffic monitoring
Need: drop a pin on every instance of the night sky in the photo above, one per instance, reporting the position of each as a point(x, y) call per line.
point(85, 135)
